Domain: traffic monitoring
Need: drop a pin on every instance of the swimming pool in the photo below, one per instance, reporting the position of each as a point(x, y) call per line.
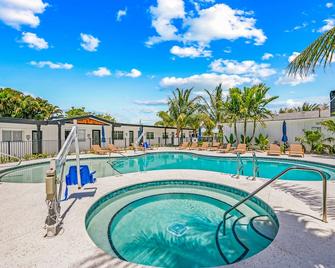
point(179, 224)
point(104, 167)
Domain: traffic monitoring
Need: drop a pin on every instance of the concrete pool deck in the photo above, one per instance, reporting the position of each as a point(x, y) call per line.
point(302, 241)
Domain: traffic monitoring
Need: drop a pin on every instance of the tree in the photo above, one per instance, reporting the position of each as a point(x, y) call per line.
point(247, 102)
point(320, 52)
point(81, 111)
point(233, 108)
point(181, 107)
point(214, 108)
point(166, 119)
point(329, 125)
point(14, 103)
point(259, 110)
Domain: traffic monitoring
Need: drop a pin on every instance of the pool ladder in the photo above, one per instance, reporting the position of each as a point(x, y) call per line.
point(240, 166)
point(324, 194)
point(255, 166)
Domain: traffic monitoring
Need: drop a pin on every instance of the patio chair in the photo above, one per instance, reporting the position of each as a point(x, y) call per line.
point(215, 146)
point(96, 149)
point(226, 150)
point(241, 148)
point(296, 150)
point(193, 146)
point(274, 150)
point(183, 146)
point(113, 149)
point(204, 146)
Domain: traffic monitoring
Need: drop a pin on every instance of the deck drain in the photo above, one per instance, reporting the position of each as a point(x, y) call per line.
point(177, 229)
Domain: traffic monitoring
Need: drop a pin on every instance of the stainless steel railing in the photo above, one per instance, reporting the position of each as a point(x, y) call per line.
point(324, 194)
point(255, 166)
point(12, 156)
point(240, 166)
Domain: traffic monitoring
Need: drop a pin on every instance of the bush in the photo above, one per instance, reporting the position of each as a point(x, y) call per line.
point(262, 141)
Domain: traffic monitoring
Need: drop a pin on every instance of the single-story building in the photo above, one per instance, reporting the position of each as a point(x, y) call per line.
point(22, 137)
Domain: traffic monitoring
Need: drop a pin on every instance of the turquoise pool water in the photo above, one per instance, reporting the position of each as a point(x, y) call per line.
point(179, 224)
point(269, 167)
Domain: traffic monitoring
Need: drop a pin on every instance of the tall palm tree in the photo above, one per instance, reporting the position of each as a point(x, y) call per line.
point(214, 107)
point(182, 105)
point(166, 120)
point(232, 108)
point(259, 110)
point(247, 103)
point(307, 107)
point(320, 52)
point(195, 122)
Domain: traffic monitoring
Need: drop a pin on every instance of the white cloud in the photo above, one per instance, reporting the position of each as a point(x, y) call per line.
point(267, 56)
point(151, 102)
point(51, 65)
point(191, 52)
point(293, 56)
point(329, 5)
point(247, 68)
point(89, 42)
point(285, 79)
point(21, 12)
point(121, 13)
point(33, 41)
point(134, 73)
point(162, 16)
point(329, 24)
point(283, 103)
point(222, 22)
point(208, 24)
point(100, 72)
point(207, 80)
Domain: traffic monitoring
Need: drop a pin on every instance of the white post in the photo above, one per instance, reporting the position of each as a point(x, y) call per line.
point(77, 155)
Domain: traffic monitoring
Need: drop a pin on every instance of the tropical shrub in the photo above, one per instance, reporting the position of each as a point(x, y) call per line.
point(316, 141)
point(230, 139)
point(246, 140)
point(262, 141)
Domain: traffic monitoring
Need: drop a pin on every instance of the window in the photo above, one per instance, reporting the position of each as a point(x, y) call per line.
point(118, 135)
point(150, 135)
point(11, 135)
point(81, 134)
point(165, 135)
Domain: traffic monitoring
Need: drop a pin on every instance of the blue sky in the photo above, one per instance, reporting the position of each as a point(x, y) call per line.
point(125, 57)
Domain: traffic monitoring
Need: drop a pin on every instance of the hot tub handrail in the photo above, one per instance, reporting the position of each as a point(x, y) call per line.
point(12, 156)
point(324, 199)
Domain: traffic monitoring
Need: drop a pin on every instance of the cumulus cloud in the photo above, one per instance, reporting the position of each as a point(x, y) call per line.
point(162, 20)
point(267, 56)
point(293, 56)
point(20, 12)
point(329, 5)
point(51, 65)
point(101, 72)
point(216, 22)
point(134, 73)
point(207, 80)
point(151, 102)
point(33, 41)
point(190, 52)
point(121, 13)
point(89, 42)
point(222, 22)
point(248, 68)
point(284, 79)
point(329, 24)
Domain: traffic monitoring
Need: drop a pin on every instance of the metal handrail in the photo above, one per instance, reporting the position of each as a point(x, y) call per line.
point(324, 199)
point(13, 156)
point(255, 167)
point(240, 166)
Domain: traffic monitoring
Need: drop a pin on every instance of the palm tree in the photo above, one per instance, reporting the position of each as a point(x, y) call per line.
point(320, 52)
point(259, 110)
point(166, 120)
point(247, 103)
point(214, 108)
point(181, 108)
point(329, 125)
point(195, 121)
point(232, 108)
point(307, 107)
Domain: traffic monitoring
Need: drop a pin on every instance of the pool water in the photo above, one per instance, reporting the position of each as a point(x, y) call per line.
point(104, 167)
point(179, 224)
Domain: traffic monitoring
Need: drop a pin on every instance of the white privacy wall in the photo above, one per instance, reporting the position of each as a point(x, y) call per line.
point(273, 129)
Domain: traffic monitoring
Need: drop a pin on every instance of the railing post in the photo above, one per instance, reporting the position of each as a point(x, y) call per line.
point(324, 199)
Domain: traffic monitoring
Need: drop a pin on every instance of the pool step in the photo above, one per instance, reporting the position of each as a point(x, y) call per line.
point(255, 233)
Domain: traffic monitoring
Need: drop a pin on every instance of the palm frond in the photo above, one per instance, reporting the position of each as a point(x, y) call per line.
point(320, 52)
